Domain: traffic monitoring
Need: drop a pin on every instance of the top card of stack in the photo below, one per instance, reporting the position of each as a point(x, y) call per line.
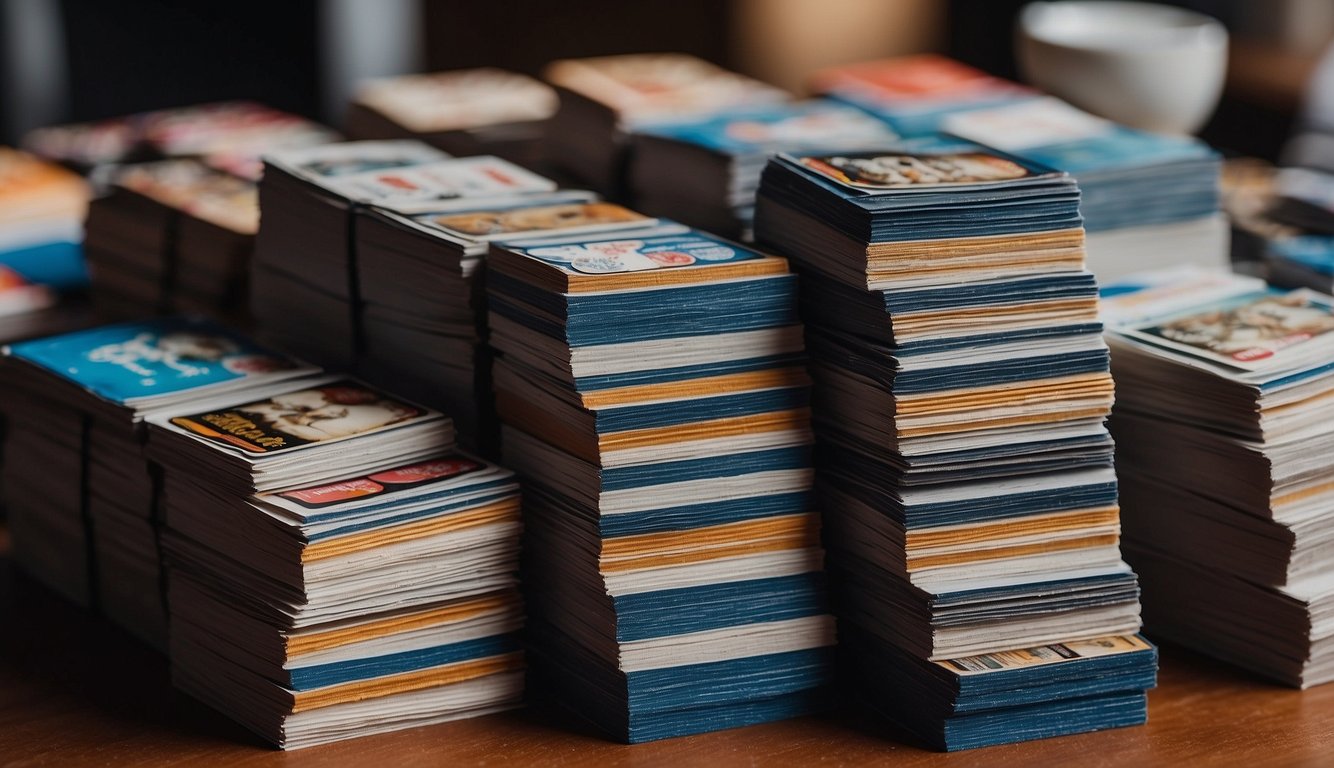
point(906, 217)
point(600, 98)
point(913, 94)
point(146, 368)
point(577, 308)
point(227, 135)
point(465, 112)
point(41, 225)
point(656, 407)
point(299, 436)
point(703, 171)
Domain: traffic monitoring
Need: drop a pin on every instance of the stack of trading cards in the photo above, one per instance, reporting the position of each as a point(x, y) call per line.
point(1295, 231)
point(602, 99)
point(1298, 260)
point(337, 568)
point(172, 236)
point(1009, 696)
point(465, 112)
point(174, 230)
point(913, 94)
point(1247, 192)
point(41, 223)
point(1224, 445)
point(305, 286)
point(704, 171)
point(228, 135)
point(655, 404)
point(1305, 199)
point(80, 493)
point(961, 384)
point(424, 316)
point(43, 497)
point(1149, 201)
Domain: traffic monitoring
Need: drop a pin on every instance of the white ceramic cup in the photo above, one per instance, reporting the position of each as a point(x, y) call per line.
point(1148, 66)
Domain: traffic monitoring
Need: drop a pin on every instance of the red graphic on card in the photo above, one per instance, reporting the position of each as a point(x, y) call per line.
point(390, 481)
point(335, 492)
point(500, 176)
point(924, 75)
point(672, 258)
point(398, 182)
point(426, 470)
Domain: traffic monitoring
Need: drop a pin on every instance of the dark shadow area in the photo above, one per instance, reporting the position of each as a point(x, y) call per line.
point(57, 659)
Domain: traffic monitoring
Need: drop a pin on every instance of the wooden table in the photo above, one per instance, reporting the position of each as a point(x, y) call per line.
point(75, 691)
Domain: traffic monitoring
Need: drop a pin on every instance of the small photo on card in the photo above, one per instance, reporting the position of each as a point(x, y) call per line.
point(336, 411)
point(638, 255)
point(895, 171)
point(512, 221)
point(1256, 333)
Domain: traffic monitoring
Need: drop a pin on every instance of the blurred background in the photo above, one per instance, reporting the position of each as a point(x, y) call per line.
point(77, 60)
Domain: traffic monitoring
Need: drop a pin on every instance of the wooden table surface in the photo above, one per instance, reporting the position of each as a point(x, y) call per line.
point(75, 691)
